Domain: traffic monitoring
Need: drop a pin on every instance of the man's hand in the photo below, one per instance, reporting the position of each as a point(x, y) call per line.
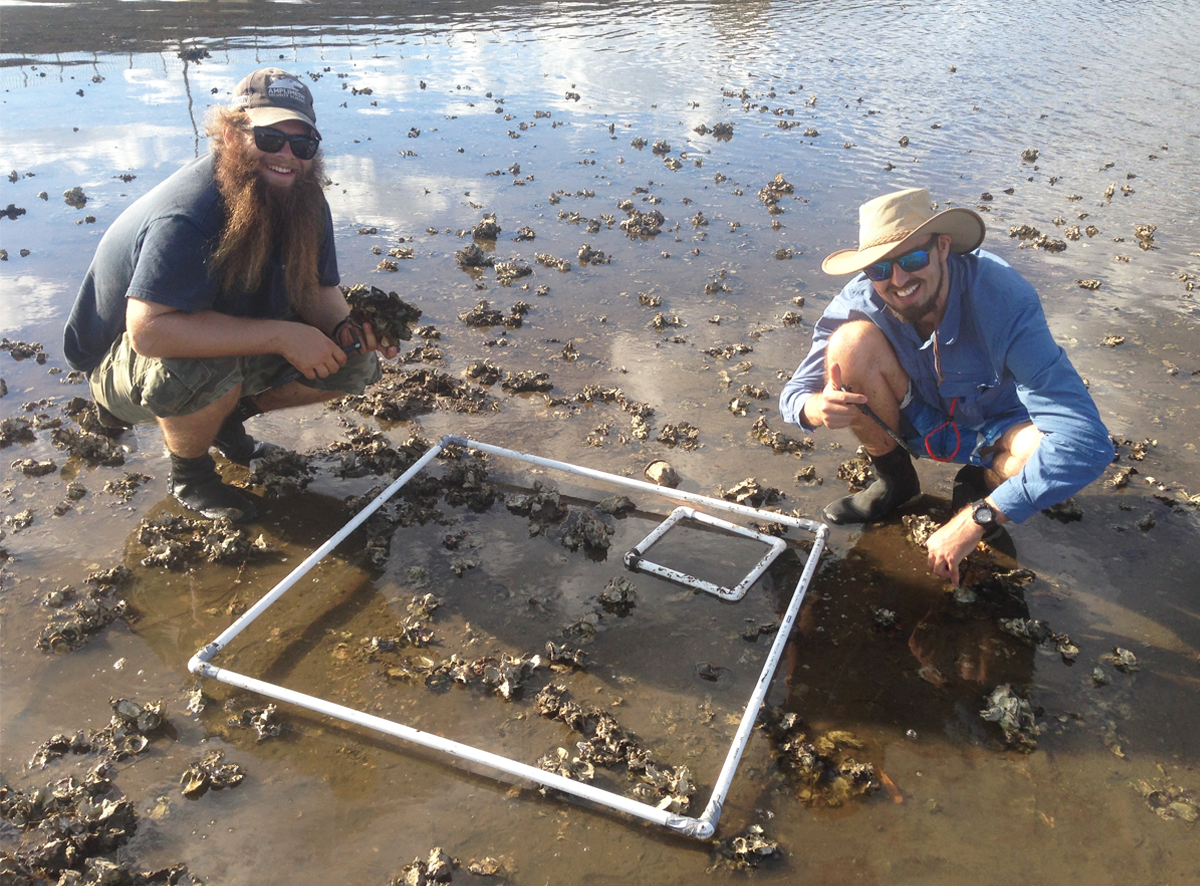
point(833, 407)
point(949, 545)
point(311, 351)
point(371, 343)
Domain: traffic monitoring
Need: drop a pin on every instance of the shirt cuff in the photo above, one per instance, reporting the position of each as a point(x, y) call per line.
point(1012, 501)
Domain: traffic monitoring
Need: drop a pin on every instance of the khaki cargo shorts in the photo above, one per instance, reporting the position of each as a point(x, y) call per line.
point(139, 389)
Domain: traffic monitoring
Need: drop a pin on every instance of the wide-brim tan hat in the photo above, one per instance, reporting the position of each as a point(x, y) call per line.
point(894, 220)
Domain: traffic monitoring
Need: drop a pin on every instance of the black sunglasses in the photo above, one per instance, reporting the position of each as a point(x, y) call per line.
point(909, 262)
point(271, 141)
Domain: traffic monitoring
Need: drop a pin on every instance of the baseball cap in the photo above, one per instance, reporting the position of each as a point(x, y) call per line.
point(270, 96)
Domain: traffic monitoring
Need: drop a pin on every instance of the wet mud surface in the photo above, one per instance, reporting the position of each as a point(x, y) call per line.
point(615, 256)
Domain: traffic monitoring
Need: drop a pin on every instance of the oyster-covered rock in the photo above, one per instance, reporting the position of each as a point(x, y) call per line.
point(587, 530)
point(487, 228)
point(391, 317)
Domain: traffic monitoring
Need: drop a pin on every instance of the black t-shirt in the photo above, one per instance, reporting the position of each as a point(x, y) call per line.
point(158, 251)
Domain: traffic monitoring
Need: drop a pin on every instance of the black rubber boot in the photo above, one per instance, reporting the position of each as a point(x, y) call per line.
point(897, 484)
point(969, 486)
point(232, 440)
point(196, 484)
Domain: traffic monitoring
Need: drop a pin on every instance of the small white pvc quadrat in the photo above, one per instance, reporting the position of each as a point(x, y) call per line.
point(700, 827)
point(636, 559)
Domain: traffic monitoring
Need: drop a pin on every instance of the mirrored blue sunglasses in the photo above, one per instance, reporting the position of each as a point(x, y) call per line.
point(909, 262)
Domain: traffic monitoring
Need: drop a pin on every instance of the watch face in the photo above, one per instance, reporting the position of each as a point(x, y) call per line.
point(983, 515)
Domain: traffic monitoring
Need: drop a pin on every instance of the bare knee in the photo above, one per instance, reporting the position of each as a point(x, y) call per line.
point(863, 352)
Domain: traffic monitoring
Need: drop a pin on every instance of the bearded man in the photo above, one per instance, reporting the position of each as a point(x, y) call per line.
point(936, 348)
point(214, 297)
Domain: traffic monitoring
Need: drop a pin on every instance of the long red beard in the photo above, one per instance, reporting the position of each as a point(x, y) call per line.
point(262, 219)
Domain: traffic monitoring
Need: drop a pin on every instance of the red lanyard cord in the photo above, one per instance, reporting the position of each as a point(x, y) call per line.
point(957, 436)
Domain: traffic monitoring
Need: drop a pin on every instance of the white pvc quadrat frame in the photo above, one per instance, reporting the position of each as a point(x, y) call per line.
point(701, 827)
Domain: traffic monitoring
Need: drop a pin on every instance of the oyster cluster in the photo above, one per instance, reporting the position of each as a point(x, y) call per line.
point(543, 506)
point(778, 441)
point(608, 744)
point(262, 720)
point(402, 394)
point(751, 493)
point(748, 849)
point(390, 316)
point(503, 674)
point(857, 472)
point(1036, 632)
point(435, 869)
point(1015, 717)
point(62, 833)
point(774, 191)
point(824, 774)
point(127, 734)
point(586, 530)
point(173, 542)
point(95, 449)
point(527, 381)
point(484, 315)
point(643, 224)
point(619, 596)
point(281, 472)
point(208, 773)
point(73, 625)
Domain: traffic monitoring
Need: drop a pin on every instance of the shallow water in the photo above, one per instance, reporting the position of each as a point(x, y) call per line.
point(1088, 85)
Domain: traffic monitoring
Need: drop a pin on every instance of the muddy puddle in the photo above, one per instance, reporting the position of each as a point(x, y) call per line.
point(610, 219)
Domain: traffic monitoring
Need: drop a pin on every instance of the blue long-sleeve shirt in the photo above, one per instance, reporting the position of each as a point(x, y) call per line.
point(998, 358)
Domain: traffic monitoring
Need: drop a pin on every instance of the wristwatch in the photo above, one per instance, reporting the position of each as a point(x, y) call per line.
point(983, 514)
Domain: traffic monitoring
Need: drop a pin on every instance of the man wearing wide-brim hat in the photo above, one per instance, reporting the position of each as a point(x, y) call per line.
point(939, 349)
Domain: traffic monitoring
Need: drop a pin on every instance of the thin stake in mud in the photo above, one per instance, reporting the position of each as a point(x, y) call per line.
point(870, 413)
